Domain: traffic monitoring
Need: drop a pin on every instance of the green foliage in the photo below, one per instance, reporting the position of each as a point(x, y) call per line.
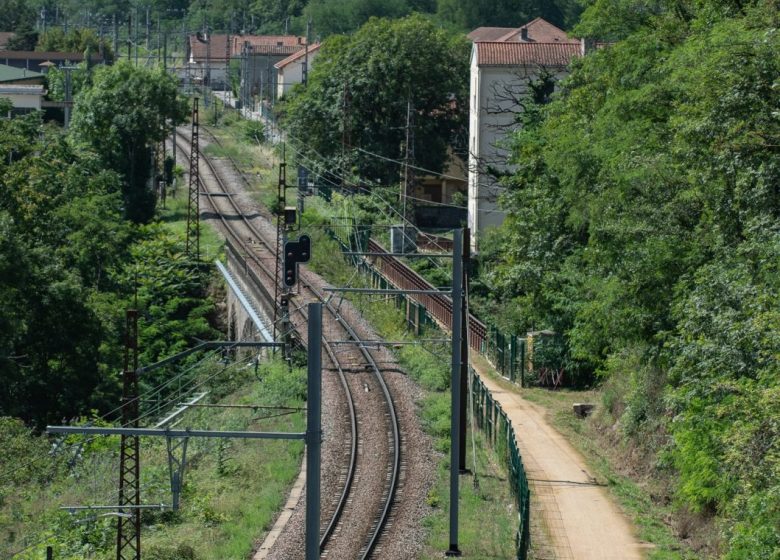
point(62, 233)
point(69, 266)
point(175, 552)
point(15, 14)
point(254, 131)
point(415, 63)
point(506, 13)
point(124, 138)
point(271, 15)
point(24, 39)
point(76, 40)
point(332, 17)
point(643, 226)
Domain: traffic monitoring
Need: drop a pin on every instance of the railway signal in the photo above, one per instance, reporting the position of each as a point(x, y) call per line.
point(295, 252)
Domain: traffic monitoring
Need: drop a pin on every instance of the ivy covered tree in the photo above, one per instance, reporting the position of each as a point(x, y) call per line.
point(364, 87)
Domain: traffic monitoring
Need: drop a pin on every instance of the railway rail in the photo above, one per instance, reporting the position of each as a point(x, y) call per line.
point(367, 486)
point(438, 306)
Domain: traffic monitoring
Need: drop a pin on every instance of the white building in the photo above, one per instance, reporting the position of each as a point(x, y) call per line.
point(504, 64)
point(23, 98)
point(290, 70)
point(23, 88)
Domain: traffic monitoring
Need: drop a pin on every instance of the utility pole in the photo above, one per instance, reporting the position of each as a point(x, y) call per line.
point(313, 431)
point(455, 388)
point(228, 85)
point(135, 37)
point(408, 156)
point(344, 131)
point(269, 81)
point(115, 25)
point(128, 535)
point(193, 206)
point(281, 300)
point(129, 37)
point(464, 351)
point(68, 93)
point(148, 29)
point(306, 53)
point(207, 73)
point(165, 51)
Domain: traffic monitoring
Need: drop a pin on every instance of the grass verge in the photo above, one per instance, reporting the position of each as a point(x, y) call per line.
point(232, 489)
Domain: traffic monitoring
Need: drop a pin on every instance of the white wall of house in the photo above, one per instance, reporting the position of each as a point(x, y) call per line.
point(289, 76)
point(23, 97)
point(292, 73)
point(493, 112)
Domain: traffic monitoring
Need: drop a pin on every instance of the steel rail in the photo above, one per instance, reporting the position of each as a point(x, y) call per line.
point(395, 469)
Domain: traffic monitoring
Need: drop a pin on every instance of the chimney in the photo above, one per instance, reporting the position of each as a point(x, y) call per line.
point(587, 45)
point(524, 34)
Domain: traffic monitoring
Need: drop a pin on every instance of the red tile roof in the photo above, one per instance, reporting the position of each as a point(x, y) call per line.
point(261, 44)
point(269, 44)
point(296, 56)
point(215, 48)
point(526, 54)
point(536, 31)
point(490, 33)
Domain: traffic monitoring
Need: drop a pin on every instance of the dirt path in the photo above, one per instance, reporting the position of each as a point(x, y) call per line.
point(578, 515)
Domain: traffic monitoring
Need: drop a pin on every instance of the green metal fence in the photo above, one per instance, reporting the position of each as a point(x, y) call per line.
point(507, 354)
point(499, 432)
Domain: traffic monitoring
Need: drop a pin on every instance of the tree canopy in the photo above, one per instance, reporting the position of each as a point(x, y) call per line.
point(124, 139)
point(506, 13)
point(643, 226)
point(362, 88)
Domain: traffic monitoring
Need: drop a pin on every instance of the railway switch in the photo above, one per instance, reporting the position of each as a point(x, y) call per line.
point(295, 252)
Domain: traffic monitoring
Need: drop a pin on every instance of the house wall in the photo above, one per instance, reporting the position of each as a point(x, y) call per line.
point(196, 71)
point(289, 76)
point(293, 74)
point(260, 75)
point(22, 102)
point(493, 113)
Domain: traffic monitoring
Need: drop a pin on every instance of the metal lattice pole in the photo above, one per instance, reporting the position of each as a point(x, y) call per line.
point(279, 288)
point(193, 207)
point(128, 535)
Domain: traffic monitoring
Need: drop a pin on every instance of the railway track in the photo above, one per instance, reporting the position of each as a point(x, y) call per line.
point(358, 498)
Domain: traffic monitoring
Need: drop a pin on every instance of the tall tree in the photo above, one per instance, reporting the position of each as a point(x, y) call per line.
point(345, 16)
point(124, 139)
point(506, 13)
point(365, 88)
point(15, 14)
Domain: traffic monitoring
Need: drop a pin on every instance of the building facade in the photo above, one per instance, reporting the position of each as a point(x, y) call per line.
point(290, 70)
point(508, 65)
